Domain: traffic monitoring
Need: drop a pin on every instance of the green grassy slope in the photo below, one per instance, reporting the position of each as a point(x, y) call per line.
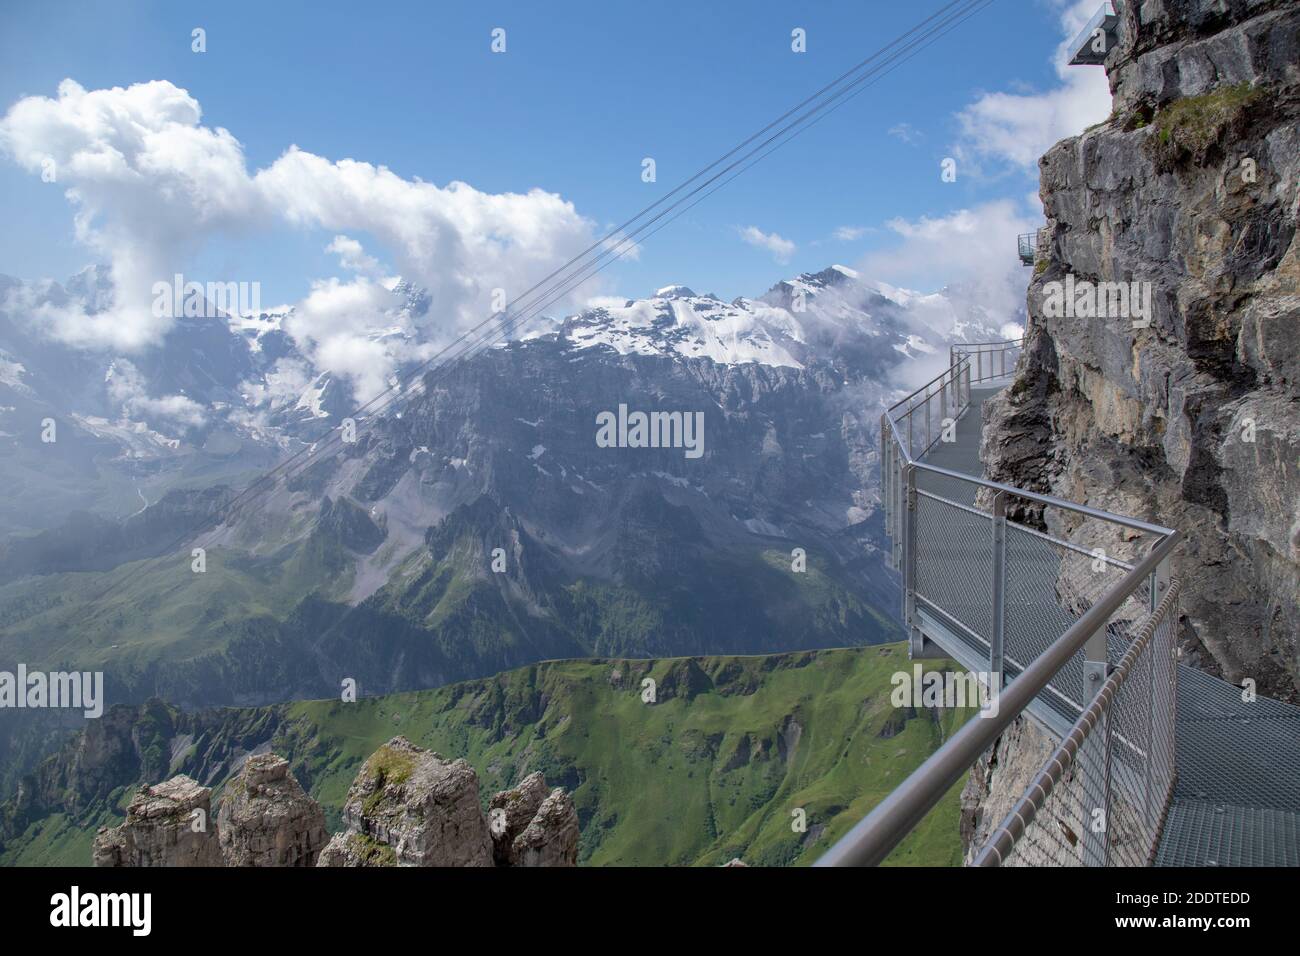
point(159, 608)
point(710, 771)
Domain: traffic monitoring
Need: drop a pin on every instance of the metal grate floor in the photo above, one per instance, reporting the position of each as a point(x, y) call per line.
point(1198, 833)
point(1237, 798)
point(958, 455)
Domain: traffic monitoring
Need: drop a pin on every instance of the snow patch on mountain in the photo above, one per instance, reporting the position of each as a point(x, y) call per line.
point(253, 329)
point(311, 399)
point(915, 345)
point(137, 440)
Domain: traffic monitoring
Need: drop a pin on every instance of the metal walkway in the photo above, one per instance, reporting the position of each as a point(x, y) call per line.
point(1236, 799)
point(1179, 768)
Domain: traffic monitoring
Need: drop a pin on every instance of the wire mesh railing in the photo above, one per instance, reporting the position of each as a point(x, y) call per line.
point(1053, 618)
point(1101, 797)
point(924, 417)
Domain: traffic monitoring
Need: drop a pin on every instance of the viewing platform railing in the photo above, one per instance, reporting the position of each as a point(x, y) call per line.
point(1043, 604)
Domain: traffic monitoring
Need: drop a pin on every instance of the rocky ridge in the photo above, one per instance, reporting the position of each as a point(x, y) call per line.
point(407, 807)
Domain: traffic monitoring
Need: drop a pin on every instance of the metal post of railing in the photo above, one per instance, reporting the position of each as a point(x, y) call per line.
point(943, 400)
point(1004, 361)
point(884, 476)
point(1095, 755)
point(1158, 584)
point(927, 418)
point(915, 639)
point(893, 501)
point(900, 498)
point(911, 446)
point(999, 584)
point(896, 475)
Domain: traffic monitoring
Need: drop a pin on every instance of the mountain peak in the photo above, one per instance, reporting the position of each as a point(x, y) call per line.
point(674, 292)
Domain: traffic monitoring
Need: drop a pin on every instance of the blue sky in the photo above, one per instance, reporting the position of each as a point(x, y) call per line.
point(583, 93)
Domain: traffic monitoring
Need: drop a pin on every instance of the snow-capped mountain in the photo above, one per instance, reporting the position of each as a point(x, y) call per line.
point(220, 394)
point(862, 327)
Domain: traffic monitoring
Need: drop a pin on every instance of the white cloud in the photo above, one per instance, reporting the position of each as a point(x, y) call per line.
point(334, 326)
point(352, 256)
point(975, 248)
point(456, 242)
point(1018, 128)
point(126, 388)
point(849, 233)
point(284, 383)
point(150, 185)
point(906, 132)
point(782, 249)
point(605, 302)
point(147, 182)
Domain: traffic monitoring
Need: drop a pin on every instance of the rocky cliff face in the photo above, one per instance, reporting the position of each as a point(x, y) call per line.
point(997, 781)
point(410, 807)
point(1192, 420)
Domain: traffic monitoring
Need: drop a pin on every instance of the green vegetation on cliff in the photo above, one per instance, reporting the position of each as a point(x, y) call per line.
point(1189, 126)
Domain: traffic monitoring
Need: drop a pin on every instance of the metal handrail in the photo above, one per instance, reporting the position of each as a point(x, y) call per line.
point(873, 837)
point(982, 346)
point(978, 350)
point(1135, 523)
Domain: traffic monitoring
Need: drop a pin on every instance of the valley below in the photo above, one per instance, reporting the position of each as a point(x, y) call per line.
point(765, 759)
